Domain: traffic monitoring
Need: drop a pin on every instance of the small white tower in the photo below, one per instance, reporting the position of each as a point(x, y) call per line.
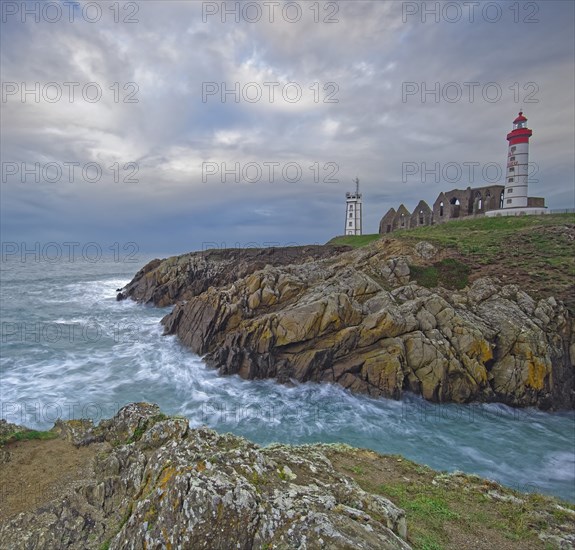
point(353, 211)
point(517, 164)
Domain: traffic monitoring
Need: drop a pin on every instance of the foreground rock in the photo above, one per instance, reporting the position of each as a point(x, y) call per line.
point(357, 319)
point(157, 484)
point(145, 480)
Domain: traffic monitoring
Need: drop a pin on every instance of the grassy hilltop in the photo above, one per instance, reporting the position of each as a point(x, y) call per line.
point(535, 252)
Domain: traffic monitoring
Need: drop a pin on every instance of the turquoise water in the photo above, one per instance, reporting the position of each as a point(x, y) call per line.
point(70, 350)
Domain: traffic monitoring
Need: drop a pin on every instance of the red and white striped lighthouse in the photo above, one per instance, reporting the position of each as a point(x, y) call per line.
point(517, 164)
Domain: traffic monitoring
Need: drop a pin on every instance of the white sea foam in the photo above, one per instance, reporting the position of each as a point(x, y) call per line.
point(131, 361)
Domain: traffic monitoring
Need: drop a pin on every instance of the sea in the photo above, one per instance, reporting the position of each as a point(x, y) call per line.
point(69, 350)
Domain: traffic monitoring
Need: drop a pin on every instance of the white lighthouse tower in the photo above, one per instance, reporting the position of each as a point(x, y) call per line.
point(517, 164)
point(353, 211)
point(516, 201)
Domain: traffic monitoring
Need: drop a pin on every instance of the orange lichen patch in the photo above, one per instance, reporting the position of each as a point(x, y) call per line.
point(177, 502)
point(477, 370)
point(536, 374)
point(201, 466)
point(167, 474)
point(168, 543)
point(482, 350)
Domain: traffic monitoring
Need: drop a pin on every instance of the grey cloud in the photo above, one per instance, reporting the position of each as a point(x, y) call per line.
point(370, 53)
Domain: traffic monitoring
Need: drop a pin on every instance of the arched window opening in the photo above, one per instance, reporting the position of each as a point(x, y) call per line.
point(455, 206)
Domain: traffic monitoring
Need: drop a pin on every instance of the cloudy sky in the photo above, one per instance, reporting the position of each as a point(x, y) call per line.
point(154, 122)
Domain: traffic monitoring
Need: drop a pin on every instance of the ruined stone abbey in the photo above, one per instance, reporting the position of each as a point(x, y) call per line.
point(450, 205)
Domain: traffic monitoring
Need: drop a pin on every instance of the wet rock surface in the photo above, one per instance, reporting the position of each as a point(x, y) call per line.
point(165, 282)
point(357, 319)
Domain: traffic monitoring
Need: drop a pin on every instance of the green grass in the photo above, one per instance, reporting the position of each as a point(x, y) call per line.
point(140, 430)
point(488, 236)
point(431, 507)
point(138, 433)
point(428, 512)
point(27, 435)
point(355, 241)
point(472, 236)
point(449, 273)
point(442, 510)
point(428, 542)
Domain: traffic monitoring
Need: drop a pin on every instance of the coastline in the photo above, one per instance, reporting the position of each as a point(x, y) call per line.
point(367, 320)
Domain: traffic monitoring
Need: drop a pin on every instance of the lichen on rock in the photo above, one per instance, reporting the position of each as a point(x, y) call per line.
point(356, 319)
point(159, 484)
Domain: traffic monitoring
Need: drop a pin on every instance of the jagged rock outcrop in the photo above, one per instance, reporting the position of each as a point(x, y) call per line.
point(156, 483)
point(7, 428)
point(357, 319)
point(146, 480)
point(164, 282)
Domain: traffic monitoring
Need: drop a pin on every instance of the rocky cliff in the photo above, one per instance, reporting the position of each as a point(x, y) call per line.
point(146, 480)
point(164, 282)
point(358, 318)
point(154, 483)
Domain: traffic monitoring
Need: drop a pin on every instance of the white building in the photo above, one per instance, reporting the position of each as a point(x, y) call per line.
point(517, 164)
point(353, 211)
point(516, 200)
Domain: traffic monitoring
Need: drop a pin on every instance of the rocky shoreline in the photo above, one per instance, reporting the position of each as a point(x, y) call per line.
point(146, 480)
point(358, 318)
